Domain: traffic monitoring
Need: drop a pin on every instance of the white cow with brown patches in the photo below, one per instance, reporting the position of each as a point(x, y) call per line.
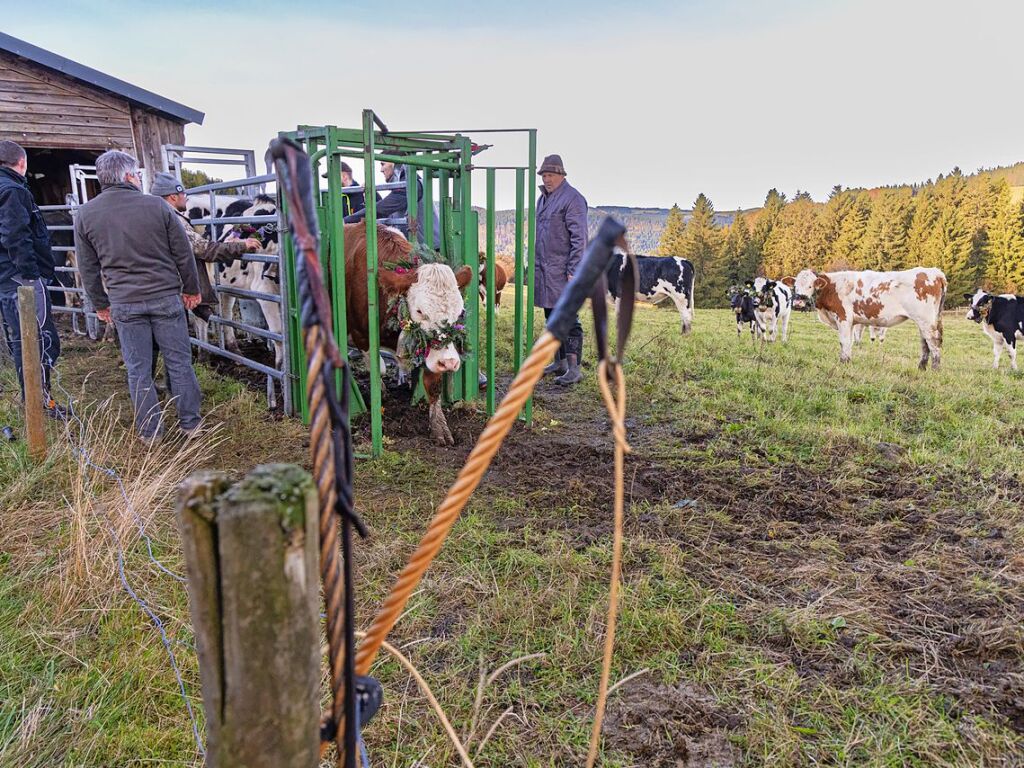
point(845, 300)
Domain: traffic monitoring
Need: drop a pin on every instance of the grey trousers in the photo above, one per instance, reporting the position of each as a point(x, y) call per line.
point(162, 320)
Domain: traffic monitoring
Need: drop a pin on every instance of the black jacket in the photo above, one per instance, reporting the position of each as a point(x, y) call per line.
point(396, 204)
point(24, 242)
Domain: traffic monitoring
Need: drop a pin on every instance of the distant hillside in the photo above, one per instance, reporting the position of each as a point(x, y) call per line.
point(643, 224)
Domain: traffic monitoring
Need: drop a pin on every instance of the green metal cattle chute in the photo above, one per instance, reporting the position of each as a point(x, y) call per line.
point(443, 161)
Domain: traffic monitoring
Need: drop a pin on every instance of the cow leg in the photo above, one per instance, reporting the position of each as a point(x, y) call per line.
point(272, 314)
point(1011, 348)
point(785, 327)
point(438, 423)
point(925, 353)
point(997, 351)
point(845, 342)
point(685, 314)
point(227, 311)
point(932, 336)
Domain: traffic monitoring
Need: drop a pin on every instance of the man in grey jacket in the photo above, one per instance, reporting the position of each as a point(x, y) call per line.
point(138, 270)
point(561, 241)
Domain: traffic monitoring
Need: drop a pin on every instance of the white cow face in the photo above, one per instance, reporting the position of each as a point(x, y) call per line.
point(804, 284)
point(434, 297)
point(978, 300)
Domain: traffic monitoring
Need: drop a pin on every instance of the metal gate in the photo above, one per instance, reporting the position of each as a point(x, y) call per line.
point(61, 228)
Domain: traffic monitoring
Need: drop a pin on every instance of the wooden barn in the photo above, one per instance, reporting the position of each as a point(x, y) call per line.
point(63, 113)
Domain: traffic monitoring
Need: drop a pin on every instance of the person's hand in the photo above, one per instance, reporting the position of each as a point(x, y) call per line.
point(252, 244)
point(104, 315)
point(191, 300)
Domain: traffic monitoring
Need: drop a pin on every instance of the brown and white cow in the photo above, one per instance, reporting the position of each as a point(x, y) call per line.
point(433, 293)
point(500, 279)
point(879, 299)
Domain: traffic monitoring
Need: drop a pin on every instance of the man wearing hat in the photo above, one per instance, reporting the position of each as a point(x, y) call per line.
point(168, 187)
point(350, 201)
point(561, 240)
point(396, 202)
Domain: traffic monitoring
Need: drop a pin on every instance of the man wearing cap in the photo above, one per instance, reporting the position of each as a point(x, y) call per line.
point(561, 240)
point(350, 201)
point(168, 187)
point(25, 259)
point(396, 202)
point(139, 272)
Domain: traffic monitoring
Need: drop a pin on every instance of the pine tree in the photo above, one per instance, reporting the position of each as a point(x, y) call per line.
point(921, 250)
point(1005, 265)
point(885, 243)
point(854, 225)
point(735, 266)
point(702, 242)
point(774, 202)
point(830, 225)
point(792, 243)
point(672, 240)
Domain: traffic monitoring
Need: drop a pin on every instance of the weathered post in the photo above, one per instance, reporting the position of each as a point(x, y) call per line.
point(251, 552)
point(33, 372)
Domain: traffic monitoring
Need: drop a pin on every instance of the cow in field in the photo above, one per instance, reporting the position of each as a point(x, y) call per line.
point(744, 305)
point(500, 279)
point(774, 306)
point(881, 299)
point(658, 278)
point(1002, 319)
point(432, 295)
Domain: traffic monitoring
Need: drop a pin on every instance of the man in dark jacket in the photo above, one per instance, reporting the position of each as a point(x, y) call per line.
point(395, 203)
point(139, 272)
point(25, 259)
point(351, 202)
point(561, 240)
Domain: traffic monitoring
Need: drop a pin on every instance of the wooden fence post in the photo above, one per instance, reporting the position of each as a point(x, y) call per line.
point(32, 371)
point(251, 552)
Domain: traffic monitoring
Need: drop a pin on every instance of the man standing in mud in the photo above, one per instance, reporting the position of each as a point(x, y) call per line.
point(561, 241)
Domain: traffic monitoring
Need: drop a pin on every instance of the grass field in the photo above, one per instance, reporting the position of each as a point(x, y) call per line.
point(823, 565)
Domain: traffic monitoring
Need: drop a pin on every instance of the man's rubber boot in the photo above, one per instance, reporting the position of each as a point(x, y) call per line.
point(559, 367)
point(572, 375)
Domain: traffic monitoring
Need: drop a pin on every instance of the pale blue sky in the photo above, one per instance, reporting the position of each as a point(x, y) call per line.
point(646, 107)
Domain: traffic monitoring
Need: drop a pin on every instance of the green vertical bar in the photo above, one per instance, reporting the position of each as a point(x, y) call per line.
point(428, 208)
point(531, 247)
point(333, 254)
point(457, 235)
point(411, 193)
point(294, 325)
point(471, 258)
point(373, 314)
point(489, 309)
point(517, 351)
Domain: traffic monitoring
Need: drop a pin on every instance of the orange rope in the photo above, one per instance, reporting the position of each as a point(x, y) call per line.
point(458, 495)
point(617, 414)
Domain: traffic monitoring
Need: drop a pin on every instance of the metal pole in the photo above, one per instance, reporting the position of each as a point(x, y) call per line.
point(428, 208)
point(32, 372)
point(471, 258)
point(373, 312)
point(282, 286)
point(489, 309)
point(517, 351)
point(531, 246)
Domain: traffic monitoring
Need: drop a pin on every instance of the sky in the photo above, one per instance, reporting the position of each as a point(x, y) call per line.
point(648, 106)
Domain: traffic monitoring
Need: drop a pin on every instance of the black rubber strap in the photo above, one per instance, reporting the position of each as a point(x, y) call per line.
point(591, 270)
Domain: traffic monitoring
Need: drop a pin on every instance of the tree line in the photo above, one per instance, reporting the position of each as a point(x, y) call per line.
point(972, 228)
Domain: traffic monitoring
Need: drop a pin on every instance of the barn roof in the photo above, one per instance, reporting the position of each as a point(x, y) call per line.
point(100, 80)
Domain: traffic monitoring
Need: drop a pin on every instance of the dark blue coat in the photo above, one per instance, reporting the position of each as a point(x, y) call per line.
point(561, 240)
point(24, 242)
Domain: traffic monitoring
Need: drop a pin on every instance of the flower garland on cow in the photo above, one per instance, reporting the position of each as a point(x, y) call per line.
point(415, 341)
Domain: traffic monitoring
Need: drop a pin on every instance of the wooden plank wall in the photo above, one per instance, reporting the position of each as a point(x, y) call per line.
point(42, 108)
point(151, 132)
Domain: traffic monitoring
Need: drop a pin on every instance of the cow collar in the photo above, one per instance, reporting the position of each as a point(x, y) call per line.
point(414, 341)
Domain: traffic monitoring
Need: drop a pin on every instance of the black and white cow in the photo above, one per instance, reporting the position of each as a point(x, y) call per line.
point(659, 278)
point(744, 305)
point(774, 306)
point(1003, 322)
point(257, 276)
point(198, 207)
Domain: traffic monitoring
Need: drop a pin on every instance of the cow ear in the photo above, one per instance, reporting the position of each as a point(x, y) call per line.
point(394, 283)
point(820, 283)
point(968, 296)
point(463, 276)
point(789, 281)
